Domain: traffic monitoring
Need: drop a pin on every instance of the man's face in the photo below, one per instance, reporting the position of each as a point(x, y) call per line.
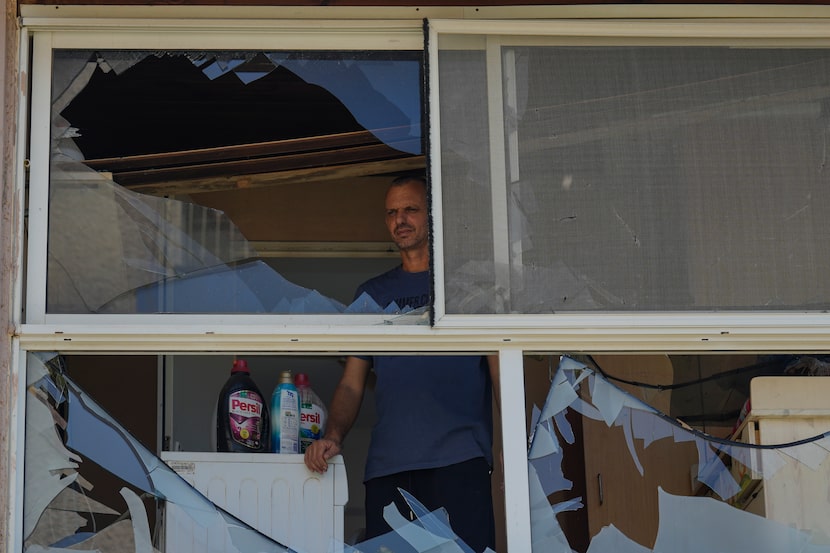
point(406, 215)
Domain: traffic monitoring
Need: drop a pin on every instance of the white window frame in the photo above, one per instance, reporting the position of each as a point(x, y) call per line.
point(239, 334)
point(510, 337)
point(689, 331)
point(191, 34)
point(755, 330)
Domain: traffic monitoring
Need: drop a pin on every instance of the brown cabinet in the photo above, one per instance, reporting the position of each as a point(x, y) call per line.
point(616, 493)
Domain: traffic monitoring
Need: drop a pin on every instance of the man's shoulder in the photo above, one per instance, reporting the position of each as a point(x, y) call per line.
point(392, 274)
point(396, 277)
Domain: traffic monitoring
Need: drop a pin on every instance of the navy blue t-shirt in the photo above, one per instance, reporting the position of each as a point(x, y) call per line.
point(432, 411)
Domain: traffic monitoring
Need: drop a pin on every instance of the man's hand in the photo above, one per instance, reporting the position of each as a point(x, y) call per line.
point(319, 452)
point(342, 413)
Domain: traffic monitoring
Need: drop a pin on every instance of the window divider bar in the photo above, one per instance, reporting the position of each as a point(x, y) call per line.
point(514, 443)
point(39, 163)
point(498, 171)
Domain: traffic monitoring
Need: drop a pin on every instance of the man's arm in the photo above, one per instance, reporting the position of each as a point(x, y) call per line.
point(345, 405)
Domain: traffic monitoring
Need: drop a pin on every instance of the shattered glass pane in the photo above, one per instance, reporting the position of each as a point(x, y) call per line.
point(114, 249)
point(65, 429)
point(166, 505)
point(602, 463)
point(636, 178)
point(639, 480)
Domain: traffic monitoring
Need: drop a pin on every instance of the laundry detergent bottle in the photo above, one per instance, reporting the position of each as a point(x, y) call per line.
point(313, 412)
point(242, 419)
point(285, 416)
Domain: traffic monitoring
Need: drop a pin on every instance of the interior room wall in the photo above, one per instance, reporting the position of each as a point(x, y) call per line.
point(335, 278)
point(326, 210)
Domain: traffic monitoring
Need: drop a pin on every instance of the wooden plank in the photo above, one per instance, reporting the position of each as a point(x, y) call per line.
point(348, 210)
point(306, 160)
point(790, 396)
point(235, 152)
point(291, 177)
point(350, 250)
point(795, 494)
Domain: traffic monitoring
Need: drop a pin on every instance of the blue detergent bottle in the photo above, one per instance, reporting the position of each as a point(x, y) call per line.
point(285, 416)
point(313, 413)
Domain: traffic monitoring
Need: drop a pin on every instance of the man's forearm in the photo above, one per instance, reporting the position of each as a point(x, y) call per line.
point(343, 411)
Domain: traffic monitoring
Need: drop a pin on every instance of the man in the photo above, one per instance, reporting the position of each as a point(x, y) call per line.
point(433, 436)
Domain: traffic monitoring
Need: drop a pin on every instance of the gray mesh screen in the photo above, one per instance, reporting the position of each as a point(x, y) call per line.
point(636, 179)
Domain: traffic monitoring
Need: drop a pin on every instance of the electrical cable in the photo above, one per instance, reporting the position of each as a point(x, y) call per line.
point(708, 437)
point(675, 386)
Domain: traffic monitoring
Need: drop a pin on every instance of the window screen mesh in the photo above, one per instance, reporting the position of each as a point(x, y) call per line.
point(635, 179)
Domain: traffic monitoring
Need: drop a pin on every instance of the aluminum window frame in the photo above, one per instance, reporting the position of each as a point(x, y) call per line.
point(48, 35)
point(510, 337)
point(240, 334)
point(688, 331)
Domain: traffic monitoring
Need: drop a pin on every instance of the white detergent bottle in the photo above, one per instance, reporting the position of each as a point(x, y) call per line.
point(313, 412)
point(285, 416)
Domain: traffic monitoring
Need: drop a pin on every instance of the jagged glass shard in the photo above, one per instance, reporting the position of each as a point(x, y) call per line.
point(221, 66)
point(549, 473)
point(728, 479)
point(393, 309)
point(712, 472)
point(560, 396)
point(382, 95)
point(695, 524)
point(364, 304)
point(625, 422)
point(315, 302)
point(564, 427)
point(50, 467)
point(545, 441)
point(610, 539)
point(97, 437)
point(649, 427)
point(810, 454)
point(545, 531)
point(607, 399)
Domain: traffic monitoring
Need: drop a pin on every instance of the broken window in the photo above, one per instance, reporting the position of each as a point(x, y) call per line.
point(632, 177)
point(194, 181)
point(66, 428)
point(182, 242)
point(610, 467)
point(92, 485)
point(610, 472)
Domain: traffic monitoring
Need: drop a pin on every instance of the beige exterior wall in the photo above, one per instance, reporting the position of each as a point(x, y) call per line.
point(8, 227)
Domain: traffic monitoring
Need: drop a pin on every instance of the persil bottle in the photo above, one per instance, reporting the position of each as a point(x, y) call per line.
point(242, 419)
point(312, 412)
point(285, 416)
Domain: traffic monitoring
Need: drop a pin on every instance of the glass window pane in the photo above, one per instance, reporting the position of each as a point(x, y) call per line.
point(635, 179)
point(186, 182)
point(613, 467)
point(465, 177)
point(100, 477)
